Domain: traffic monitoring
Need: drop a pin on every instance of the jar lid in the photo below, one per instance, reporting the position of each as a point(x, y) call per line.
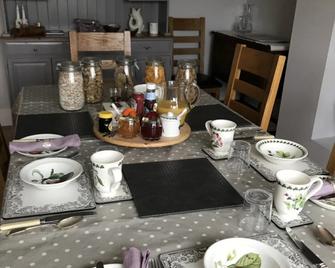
point(126, 60)
point(91, 61)
point(105, 115)
point(154, 62)
point(186, 63)
point(69, 66)
point(151, 86)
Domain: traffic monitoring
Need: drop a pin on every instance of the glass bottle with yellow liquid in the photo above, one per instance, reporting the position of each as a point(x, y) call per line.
point(175, 100)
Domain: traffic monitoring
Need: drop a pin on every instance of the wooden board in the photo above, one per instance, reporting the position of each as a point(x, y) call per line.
point(139, 142)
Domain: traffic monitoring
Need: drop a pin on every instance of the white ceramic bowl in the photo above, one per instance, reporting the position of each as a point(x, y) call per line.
point(280, 151)
point(34, 172)
point(141, 88)
point(228, 251)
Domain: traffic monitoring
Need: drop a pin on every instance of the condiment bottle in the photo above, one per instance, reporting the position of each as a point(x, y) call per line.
point(105, 118)
point(151, 127)
point(150, 98)
point(138, 104)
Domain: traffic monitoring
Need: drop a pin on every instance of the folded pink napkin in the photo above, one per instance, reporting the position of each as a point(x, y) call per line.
point(134, 258)
point(328, 188)
point(45, 145)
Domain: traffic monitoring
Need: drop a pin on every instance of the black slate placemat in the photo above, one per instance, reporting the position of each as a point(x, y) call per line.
point(168, 187)
point(200, 114)
point(58, 123)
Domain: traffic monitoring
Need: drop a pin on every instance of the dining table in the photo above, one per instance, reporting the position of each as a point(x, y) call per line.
point(116, 226)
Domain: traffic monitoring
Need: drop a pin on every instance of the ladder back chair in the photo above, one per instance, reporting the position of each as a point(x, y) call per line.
point(99, 42)
point(192, 47)
point(264, 66)
point(331, 162)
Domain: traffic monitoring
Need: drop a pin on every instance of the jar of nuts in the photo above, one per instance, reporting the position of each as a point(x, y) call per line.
point(155, 73)
point(124, 77)
point(186, 72)
point(70, 85)
point(93, 83)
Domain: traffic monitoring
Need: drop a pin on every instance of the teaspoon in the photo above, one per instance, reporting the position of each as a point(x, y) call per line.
point(325, 235)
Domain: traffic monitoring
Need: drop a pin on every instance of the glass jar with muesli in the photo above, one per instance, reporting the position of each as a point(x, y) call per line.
point(70, 85)
point(92, 77)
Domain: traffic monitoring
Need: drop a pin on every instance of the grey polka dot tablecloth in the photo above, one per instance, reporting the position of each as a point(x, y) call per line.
point(116, 226)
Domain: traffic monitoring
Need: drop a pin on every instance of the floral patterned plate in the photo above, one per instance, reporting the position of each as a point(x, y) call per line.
point(328, 203)
point(193, 257)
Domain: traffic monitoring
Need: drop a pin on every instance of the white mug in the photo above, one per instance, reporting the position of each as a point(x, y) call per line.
point(293, 189)
point(222, 134)
point(107, 171)
point(153, 28)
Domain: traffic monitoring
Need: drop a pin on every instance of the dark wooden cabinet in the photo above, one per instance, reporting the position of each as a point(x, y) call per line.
point(33, 63)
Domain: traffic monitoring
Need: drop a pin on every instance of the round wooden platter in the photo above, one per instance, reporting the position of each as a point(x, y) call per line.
point(139, 142)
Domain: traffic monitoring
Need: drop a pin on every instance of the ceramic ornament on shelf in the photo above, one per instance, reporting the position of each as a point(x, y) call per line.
point(136, 21)
point(18, 20)
point(24, 19)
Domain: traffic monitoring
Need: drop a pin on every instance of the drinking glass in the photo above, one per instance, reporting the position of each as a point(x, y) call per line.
point(255, 215)
point(239, 156)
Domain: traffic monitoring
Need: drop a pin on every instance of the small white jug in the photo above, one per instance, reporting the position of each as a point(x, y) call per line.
point(170, 124)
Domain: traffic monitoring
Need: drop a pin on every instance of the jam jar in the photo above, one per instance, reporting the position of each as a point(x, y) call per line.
point(151, 128)
point(129, 127)
point(105, 118)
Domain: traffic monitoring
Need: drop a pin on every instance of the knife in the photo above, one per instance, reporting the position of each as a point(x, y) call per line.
point(44, 220)
point(310, 255)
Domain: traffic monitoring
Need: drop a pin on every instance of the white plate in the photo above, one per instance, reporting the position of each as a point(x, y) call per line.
point(34, 171)
point(229, 251)
point(280, 151)
point(44, 153)
point(328, 203)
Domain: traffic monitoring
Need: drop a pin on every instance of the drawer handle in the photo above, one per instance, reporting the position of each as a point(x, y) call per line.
point(35, 49)
point(146, 48)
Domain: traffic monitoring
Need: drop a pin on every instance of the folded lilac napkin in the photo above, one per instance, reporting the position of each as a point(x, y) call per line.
point(328, 188)
point(46, 145)
point(134, 258)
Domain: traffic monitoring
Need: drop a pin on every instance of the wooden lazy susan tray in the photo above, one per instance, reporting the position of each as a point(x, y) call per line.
point(139, 142)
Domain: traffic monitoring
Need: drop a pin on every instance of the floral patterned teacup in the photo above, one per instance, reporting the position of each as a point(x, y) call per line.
point(293, 189)
point(222, 135)
point(107, 171)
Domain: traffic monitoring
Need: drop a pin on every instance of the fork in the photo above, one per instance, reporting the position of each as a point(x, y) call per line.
point(154, 263)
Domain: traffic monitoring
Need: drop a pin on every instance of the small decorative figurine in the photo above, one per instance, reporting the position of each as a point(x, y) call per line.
point(136, 21)
point(24, 19)
point(18, 20)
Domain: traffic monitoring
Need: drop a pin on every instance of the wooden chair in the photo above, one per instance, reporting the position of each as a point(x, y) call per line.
point(331, 162)
point(263, 67)
point(99, 42)
point(192, 47)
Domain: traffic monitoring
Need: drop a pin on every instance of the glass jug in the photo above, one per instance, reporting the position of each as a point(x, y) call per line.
point(176, 100)
point(124, 77)
point(93, 83)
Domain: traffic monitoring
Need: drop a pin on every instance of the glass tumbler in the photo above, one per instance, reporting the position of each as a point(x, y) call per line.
point(239, 156)
point(255, 215)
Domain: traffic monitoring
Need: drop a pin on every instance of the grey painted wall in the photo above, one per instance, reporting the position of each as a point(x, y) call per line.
point(309, 82)
point(270, 16)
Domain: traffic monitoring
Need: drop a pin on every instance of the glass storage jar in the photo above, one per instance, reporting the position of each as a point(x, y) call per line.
point(186, 72)
point(155, 73)
point(93, 82)
point(124, 77)
point(70, 85)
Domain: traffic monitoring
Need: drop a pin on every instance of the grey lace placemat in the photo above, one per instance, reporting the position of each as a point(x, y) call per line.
point(192, 257)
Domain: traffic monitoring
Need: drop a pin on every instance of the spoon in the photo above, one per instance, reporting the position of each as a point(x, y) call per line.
point(325, 235)
point(64, 223)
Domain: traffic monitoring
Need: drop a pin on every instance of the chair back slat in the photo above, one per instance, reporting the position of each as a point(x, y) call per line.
point(263, 65)
point(95, 42)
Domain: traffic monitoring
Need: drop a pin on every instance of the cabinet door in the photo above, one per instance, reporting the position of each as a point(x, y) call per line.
point(28, 72)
